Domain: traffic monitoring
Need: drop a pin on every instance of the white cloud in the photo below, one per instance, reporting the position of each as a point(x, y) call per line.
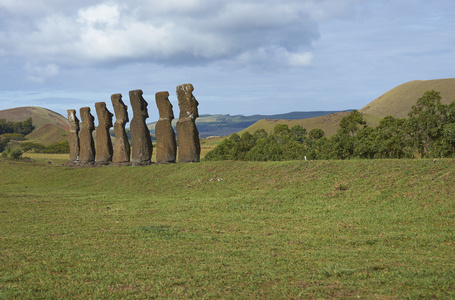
point(262, 33)
point(102, 14)
point(300, 59)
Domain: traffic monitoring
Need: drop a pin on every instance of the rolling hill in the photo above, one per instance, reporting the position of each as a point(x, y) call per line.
point(50, 127)
point(397, 102)
point(47, 135)
point(39, 115)
point(224, 125)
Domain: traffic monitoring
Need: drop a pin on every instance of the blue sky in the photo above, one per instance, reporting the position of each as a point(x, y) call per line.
point(242, 56)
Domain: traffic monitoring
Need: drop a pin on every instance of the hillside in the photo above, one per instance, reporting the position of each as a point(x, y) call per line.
point(47, 135)
point(224, 125)
point(397, 102)
point(50, 127)
point(39, 115)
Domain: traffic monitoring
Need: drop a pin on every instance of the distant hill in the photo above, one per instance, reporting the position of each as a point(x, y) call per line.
point(224, 125)
point(397, 102)
point(47, 135)
point(39, 115)
point(50, 127)
point(328, 123)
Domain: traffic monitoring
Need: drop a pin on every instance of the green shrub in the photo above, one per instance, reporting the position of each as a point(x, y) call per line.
point(16, 154)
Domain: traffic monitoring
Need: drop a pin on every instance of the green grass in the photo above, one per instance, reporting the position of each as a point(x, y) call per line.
point(381, 229)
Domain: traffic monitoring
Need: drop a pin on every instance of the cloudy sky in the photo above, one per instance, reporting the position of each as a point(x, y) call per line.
point(242, 56)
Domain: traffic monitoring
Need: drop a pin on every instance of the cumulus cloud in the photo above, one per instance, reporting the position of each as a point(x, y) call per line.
point(261, 33)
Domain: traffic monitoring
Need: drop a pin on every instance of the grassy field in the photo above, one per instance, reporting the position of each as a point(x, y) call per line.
point(381, 229)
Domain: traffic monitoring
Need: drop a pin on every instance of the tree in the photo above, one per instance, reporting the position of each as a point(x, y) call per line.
point(223, 151)
point(352, 123)
point(266, 150)
point(316, 133)
point(27, 126)
point(3, 143)
point(245, 144)
point(366, 143)
point(298, 133)
point(426, 121)
point(392, 140)
point(259, 134)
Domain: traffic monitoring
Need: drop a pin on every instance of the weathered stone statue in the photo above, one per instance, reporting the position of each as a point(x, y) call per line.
point(141, 142)
point(87, 145)
point(73, 135)
point(166, 146)
point(103, 138)
point(122, 146)
point(189, 149)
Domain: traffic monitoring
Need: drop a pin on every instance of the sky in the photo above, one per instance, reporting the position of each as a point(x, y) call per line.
point(242, 56)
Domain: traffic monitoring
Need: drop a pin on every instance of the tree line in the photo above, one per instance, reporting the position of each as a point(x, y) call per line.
point(17, 131)
point(429, 131)
point(24, 127)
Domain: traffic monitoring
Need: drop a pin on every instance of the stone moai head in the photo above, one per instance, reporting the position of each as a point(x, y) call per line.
point(104, 116)
point(138, 104)
point(120, 109)
point(73, 120)
point(164, 105)
point(187, 103)
point(88, 121)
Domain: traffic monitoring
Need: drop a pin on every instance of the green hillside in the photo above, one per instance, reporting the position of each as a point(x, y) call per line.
point(397, 102)
point(381, 229)
point(47, 135)
point(39, 115)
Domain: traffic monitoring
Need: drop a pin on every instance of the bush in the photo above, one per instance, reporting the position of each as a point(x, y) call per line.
point(16, 154)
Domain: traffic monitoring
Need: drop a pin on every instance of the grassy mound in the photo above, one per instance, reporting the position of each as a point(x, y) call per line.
point(316, 229)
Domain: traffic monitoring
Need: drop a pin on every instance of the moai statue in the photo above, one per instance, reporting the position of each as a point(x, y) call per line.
point(103, 138)
point(73, 135)
point(166, 146)
point(141, 142)
point(189, 149)
point(122, 146)
point(87, 145)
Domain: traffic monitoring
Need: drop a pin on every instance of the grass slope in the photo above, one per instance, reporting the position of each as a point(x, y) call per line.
point(328, 123)
point(398, 101)
point(381, 229)
point(39, 115)
point(47, 135)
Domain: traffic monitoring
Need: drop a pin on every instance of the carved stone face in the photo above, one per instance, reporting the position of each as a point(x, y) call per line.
point(144, 110)
point(120, 109)
point(194, 105)
point(88, 121)
point(73, 120)
point(139, 104)
point(104, 116)
point(187, 102)
point(164, 105)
